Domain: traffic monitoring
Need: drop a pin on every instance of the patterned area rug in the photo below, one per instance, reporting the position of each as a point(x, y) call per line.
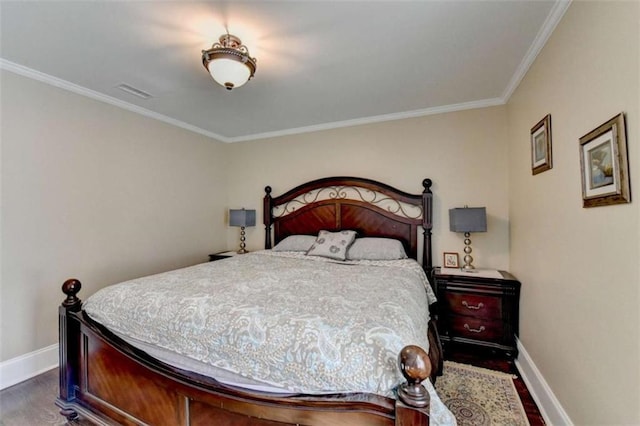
point(480, 397)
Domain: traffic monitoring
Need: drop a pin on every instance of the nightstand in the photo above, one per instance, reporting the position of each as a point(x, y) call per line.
point(221, 255)
point(478, 310)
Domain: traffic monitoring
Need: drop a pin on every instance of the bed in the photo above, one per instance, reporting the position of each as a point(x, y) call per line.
point(109, 374)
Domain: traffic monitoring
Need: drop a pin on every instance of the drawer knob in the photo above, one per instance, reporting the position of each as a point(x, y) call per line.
point(474, 307)
point(474, 330)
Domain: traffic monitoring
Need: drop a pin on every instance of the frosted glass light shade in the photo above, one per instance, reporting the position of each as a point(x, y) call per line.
point(228, 72)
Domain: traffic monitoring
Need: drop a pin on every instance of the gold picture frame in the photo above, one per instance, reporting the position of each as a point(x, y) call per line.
point(450, 260)
point(541, 158)
point(604, 165)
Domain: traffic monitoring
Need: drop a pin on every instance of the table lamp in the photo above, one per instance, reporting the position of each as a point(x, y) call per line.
point(467, 220)
point(242, 218)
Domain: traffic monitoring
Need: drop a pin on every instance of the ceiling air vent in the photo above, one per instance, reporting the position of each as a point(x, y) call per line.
point(133, 91)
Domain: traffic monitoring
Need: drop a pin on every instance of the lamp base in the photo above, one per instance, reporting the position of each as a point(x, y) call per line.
point(242, 250)
point(468, 259)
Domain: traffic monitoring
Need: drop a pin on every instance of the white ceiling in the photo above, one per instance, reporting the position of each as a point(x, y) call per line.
point(321, 64)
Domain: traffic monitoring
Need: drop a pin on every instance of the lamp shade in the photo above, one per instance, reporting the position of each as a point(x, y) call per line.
point(468, 219)
point(229, 72)
point(242, 217)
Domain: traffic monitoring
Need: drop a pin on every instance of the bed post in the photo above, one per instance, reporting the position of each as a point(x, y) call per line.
point(266, 214)
point(427, 224)
point(69, 348)
point(412, 407)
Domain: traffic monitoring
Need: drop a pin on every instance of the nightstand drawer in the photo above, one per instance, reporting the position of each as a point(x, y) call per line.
point(479, 306)
point(477, 329)
point(476, 311)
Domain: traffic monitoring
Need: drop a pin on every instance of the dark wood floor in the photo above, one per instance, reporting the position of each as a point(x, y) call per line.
point(497, 362)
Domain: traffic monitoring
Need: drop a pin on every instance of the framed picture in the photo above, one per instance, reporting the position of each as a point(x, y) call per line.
point(450, 260)
point(604, 164)
point(541, 146)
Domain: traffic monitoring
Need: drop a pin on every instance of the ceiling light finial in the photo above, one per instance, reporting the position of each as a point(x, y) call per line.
point(229, 62)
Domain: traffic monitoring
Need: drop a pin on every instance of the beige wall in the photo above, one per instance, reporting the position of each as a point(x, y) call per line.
point(464, 153)
point(98, 193)
point(580, 267)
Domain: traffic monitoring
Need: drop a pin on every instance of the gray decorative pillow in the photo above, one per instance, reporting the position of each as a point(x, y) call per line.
point(376, 249)
point(333, 245)
point(295, 243)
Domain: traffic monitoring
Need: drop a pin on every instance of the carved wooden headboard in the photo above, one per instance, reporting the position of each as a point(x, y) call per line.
point(371, 208)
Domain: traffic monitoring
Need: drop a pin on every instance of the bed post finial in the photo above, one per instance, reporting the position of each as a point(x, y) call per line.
point(71, 287)
point(415, 367)
point(266, 214)
point(426, 183)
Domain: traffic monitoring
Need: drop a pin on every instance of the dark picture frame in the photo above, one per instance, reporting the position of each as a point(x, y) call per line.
point(604, 165)
point(450, 260)
point(541, 158)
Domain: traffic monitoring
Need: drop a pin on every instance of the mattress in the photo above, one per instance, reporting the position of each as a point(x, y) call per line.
point(278, 321)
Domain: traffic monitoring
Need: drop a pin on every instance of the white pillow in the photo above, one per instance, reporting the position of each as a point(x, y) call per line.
point(333, 245)
point(295, 243)
point(376, 249)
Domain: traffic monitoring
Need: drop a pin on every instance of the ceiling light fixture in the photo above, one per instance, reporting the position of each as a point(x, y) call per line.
point(229, 62)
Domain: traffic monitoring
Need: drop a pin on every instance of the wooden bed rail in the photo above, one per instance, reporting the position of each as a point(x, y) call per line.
point(110, 382)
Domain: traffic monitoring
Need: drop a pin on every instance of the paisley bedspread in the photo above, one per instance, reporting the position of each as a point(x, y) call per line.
point(305, 324)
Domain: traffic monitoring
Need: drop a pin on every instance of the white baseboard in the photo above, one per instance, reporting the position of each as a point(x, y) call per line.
point(550, 408)
point(23, 367)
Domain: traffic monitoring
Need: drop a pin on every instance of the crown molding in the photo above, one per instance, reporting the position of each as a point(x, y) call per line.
point(80, 90)
point(552, 20)
point(554, 17)
point(372, 120)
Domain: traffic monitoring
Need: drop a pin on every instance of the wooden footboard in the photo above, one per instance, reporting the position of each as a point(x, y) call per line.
point(110, 382)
